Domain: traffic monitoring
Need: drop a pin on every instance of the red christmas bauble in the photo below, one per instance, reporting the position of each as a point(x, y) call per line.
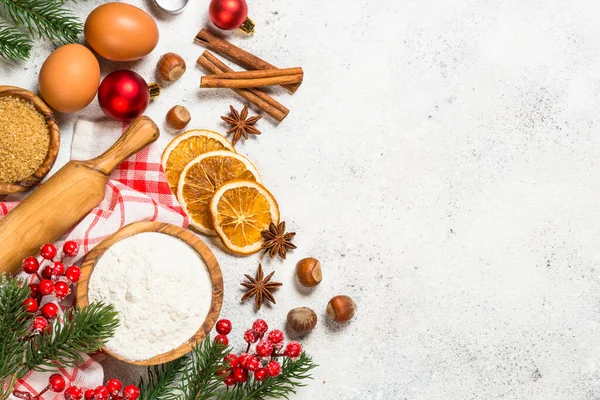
point(123, 95)
point(228, 14)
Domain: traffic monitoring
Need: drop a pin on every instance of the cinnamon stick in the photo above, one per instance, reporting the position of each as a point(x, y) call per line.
point(216, 81)
point(255, 96)
point(241, 57)
point(256, 74)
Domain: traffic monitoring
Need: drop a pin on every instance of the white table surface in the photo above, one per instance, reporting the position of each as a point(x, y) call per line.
point(441, 160)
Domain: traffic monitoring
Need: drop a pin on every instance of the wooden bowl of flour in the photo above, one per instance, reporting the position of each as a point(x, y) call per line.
point(211, 264)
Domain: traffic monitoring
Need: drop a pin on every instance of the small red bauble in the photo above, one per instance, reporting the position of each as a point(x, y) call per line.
point(230, 380)
point(222, 339)
point(71, 248)
point(61, 289)
point(73, 393)
point(46, 287)
point(40, 324)
point(131, 392)
point(57, 383)
point(224, 326)
point(101, 393)
point(250, 336)
point(89, 394)
point(252, 363)
point(260, 326)
point(30, 305)
point(73, 273)
point(273, 368)
point(114, 386)
point(264, 348)
point(58, 269)
point(275, 336)
point(48, 251)
point(243, 359)
point(34, 290)
point(50, 310)
point(240, 375)
point(47, 272)
point(261, 374)
point(123, 95)
point(31, 265)
point(293, 349)
point(232, 360)
point(228, 14)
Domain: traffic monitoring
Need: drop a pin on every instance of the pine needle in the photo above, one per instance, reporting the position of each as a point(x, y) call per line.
point(161, 381)
point(201, 381)
point(14, 44)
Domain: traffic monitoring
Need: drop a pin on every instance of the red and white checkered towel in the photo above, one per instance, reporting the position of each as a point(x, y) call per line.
point(137, 191)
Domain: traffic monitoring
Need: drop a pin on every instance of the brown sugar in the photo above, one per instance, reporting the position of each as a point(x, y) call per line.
point(24, 139)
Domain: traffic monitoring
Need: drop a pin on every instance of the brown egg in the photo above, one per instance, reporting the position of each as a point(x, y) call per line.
point(69, 78)
point(121, 32)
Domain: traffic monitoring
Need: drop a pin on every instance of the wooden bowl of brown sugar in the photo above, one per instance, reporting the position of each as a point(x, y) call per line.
point(29, 139)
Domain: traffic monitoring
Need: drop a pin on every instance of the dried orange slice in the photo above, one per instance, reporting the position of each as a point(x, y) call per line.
point(203, 176)
point(241, 210)
point(187, 146)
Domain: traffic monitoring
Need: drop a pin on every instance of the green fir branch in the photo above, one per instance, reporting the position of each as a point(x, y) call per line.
point(46, 18)
point(14, 44)
point(85, 330)
point(14, 324)
point(162, 379)
point(201, 381)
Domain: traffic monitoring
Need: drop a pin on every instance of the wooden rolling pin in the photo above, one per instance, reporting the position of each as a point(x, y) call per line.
point(64, 199)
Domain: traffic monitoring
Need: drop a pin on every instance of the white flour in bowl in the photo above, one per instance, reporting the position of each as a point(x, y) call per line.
point(161, 288)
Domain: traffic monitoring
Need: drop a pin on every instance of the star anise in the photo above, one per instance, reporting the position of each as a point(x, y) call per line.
point(277, 241)
point(260, 287)
point(240, 126)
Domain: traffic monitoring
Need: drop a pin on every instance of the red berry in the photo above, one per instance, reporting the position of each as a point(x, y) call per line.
point(131, 392)
point(231, 360)
point(58, 269)
point(50, 310)
point(31, 265)
point(89, 394)
point(250, 336)
point(222, 370)
point(73, 273)
point(273, 368)
point(61, 289)
point(275, 336)
point(260, 326)
point(293, 349)
point(48, 251)
point(34, 290)
point(57, 383)
point(222, 339)
point(46, 287)
point(47, 272)
point(224, 326)
point(243, 359)
point(40, 324)
point(240, 375)
point(260, 375)
point(73, 393)
point(71, 248)
point(101, 393)
point(31, 305)
point(114, 386)
point(230, 380)
point(264, 348)
point(252, 363)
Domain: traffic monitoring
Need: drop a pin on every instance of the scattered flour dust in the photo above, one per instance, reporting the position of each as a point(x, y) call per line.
point(161, 288)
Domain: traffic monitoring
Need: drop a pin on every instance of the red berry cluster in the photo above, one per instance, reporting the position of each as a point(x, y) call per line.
point(261, 363)
point(110, 391)
point(55, 279)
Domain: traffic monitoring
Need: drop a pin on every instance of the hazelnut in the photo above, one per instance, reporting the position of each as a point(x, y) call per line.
point(301, 320)
point(308, 271)
point(178, 117)
point(341, 308)
point(170, 67)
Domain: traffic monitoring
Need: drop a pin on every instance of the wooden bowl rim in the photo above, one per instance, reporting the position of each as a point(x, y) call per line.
point(53, 145)
point(195, 243)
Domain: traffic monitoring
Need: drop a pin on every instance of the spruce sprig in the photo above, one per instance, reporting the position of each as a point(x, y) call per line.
point(161, 383)
point(14, 324)
point(200, 380)
point(85, 330)
point(14, 44)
